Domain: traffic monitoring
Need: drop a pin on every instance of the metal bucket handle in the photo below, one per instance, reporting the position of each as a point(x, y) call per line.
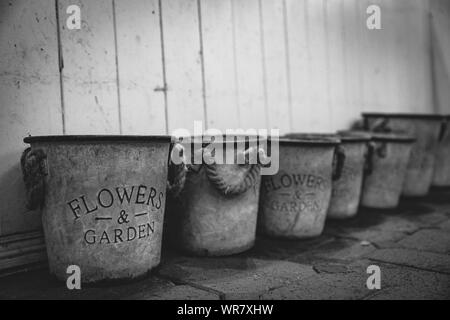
point(368, 166)
point(338, 163)
point(380, 125)
point(34, 169)
point(177, 172)
point(247, 182)
point(443, 131)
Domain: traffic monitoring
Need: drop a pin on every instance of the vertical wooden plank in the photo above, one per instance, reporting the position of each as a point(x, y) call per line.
point(353, 17)
point(306, 22)
point(182, 63)
point(336, 64)
point(412, 55)
point(377, 50)
point(220, 85)
point(277, 91)
point(440, 31)
point(89, 74)
point(249, 73)
point(298, 59)
point(140, 70)
point(317, 87)
point(397, 74)
point(30, 98)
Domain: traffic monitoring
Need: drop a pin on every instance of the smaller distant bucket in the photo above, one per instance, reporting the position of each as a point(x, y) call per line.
point(425, 128)
point(294, 202)
point(346, 191)
point(386, 170)
point(214, 207)
point(441, 176)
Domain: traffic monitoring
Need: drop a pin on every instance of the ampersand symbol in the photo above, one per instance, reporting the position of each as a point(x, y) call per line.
point(123, 217)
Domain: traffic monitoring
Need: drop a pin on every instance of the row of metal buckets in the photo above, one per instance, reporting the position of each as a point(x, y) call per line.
point(103, 198)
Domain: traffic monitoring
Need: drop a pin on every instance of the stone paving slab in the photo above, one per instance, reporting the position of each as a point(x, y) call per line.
point(235, 278)
point(430, 240)
point(411, 245)
point(401, 283)
point(413, 258)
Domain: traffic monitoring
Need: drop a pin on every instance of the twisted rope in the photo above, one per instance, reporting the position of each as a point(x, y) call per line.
point(33, 173)
point(177, 179)
point(232, 189)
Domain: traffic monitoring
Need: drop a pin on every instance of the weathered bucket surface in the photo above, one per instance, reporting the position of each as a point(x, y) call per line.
point(294, 202)
point(425, 128)
point(346, 191)
point(215, 212)
point(388, 162)
point(102, 200)
point(441, 176)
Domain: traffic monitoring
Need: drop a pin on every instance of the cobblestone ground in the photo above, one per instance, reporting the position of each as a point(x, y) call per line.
point(411, 245)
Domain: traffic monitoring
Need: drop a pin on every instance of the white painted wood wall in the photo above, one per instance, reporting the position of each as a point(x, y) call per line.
point(151, 66)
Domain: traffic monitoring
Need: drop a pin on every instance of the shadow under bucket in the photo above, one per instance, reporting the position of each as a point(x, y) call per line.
point(294, 202)
point(387, 164)
point(102, 201)
point(213, 208)
point(425, 128)
point(441, 176)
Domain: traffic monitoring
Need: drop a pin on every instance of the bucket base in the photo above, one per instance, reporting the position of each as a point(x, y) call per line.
point(219, 253)
point(108, 282)
point(385, 209)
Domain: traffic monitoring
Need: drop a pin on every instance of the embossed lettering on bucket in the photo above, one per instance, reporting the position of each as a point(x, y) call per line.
point(214, 207)
point(425, 128)
point(386, 171)
point(294, 202)
point(102, 201)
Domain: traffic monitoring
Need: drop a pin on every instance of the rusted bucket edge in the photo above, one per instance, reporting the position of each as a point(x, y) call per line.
point(248, 139)
point(97, 138)
point(349, 136)
point(423, 116)
point(391, 137)
point(319, 139)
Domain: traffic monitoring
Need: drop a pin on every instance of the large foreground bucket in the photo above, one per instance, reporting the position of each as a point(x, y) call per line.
point(346, 191)
point(387, 164)
point(442, 164)
point(294, 202)
point(425, 128)
point(102, 200)
point(215, 208)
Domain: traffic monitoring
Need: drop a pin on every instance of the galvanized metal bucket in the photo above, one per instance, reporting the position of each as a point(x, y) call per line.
point(425, 128)
point(346, 191)
point(441, 176)
point(215, 206)
point(294, 202)
point(386, 171)
point(102, 201)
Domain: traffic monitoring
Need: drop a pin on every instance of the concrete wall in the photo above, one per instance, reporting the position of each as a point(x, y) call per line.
point(149, 66)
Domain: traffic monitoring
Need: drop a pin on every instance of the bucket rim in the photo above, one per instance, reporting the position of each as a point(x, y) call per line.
point(236, 138)
point(391, 137)
point(97, 138)
point(310, 138)
point(354, 136)
point(423, 116)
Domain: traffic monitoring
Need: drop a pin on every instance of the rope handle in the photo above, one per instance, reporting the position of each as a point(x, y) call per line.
point(177, 172)
point(443, 131)
point(381, 125)
point(338, 163)
point(34, 169)
point(246, 182)
point(368, 165)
